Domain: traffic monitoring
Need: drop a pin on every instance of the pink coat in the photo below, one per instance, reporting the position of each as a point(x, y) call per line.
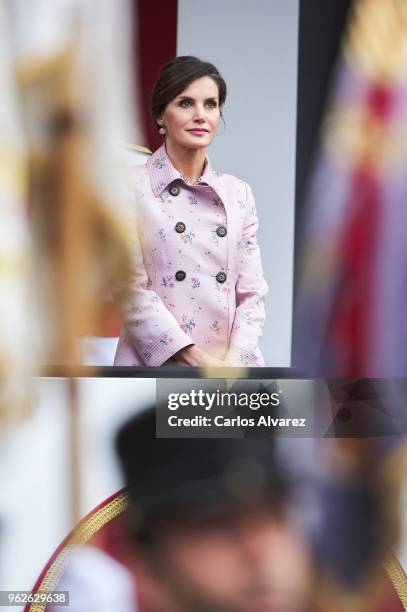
point(198, 277)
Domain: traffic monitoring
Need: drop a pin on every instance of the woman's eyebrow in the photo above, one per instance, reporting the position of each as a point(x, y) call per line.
point(190, 99)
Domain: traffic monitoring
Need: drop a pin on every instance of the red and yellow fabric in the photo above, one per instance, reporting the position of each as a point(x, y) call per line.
point(351, 300)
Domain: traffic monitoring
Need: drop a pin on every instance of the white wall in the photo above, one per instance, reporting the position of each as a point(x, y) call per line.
point(254, 45)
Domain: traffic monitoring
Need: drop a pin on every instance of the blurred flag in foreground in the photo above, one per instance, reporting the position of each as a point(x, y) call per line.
point(72, 67)
point(350, 307)
point(67, 108)
point(15, 330)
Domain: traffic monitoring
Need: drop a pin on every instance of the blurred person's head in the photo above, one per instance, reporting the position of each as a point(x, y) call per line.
point(209, 524)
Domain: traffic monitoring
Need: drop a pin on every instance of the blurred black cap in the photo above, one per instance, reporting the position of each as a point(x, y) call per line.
point(179, 479)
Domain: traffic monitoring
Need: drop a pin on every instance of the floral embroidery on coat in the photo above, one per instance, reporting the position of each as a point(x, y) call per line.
point(167, 281)
point(215, 327)
point(165, 340)
point(159, 163)
point(187, 324)
point(248, 316)
point(187, 237)
point(213, 237)
point(249, 247)
point(243, 359)
point(165, 197)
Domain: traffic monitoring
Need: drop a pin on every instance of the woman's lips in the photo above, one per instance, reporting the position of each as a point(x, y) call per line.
point(198, 131)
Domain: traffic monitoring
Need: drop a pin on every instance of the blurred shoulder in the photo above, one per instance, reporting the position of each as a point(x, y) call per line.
point(135, 158)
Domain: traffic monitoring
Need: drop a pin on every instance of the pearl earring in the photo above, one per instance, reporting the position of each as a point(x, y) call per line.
point(162, 128)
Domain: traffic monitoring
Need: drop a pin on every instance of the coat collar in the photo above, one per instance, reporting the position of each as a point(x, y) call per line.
point(162, 173)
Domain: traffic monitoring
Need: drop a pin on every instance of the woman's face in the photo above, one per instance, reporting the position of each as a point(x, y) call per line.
point(192, 118)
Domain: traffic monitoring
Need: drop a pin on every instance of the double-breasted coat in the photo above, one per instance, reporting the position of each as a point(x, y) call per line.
point(197, 274)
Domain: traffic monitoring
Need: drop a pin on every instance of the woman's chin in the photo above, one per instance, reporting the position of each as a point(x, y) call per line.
point(193, 142)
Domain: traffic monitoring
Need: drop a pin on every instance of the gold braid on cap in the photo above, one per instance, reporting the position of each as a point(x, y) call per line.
point(81, 535)
point(398, 579)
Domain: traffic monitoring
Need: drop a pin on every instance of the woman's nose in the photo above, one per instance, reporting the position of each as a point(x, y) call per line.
point(199, 114)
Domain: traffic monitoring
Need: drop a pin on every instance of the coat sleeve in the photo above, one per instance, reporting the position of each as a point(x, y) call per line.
point(250, 290)
point(154, 331)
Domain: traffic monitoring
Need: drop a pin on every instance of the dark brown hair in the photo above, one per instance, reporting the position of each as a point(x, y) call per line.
point(175, 76)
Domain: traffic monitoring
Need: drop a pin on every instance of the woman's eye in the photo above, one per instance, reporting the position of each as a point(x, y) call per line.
point(212, 103)
point(185, 103)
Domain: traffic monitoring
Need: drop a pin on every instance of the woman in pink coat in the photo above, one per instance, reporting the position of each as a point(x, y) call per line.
point(197, 293)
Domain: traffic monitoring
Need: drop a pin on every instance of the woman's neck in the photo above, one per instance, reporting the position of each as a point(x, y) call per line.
point(189, 162)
